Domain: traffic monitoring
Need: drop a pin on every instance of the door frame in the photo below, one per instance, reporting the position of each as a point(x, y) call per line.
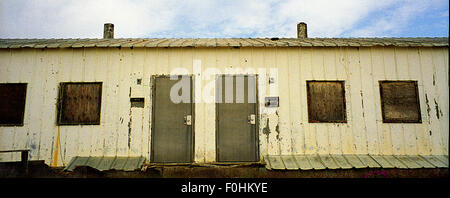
point(257, 152)
point(152, 127)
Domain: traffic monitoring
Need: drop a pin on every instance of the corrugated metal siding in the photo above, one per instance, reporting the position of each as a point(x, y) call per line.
point(284, 132)
point(333, 161)
point(107, 163)
point(224, 42)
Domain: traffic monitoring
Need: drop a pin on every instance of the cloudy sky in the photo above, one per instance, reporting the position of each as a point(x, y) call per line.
point(225, 18)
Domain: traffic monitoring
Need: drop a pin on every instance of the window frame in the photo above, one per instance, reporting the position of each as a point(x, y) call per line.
point(60, 108)
point(308, 96)
point(24, 107)
point(416, 86)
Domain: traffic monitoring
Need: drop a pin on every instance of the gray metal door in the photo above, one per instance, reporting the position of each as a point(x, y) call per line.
point(236, 119)
point(172, 121)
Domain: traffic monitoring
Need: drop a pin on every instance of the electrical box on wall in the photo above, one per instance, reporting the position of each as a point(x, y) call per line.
point(271, 102)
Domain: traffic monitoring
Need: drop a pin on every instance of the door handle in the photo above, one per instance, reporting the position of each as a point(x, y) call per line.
point(188, 120)
point(252, 119)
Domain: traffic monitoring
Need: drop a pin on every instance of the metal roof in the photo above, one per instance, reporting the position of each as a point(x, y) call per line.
point(318, 162)
point(224, 42)
point(107, 163)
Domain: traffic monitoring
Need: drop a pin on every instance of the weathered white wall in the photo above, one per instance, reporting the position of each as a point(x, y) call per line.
point(285, 131)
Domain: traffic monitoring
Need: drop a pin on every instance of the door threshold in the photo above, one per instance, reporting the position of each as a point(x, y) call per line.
point(210, 164)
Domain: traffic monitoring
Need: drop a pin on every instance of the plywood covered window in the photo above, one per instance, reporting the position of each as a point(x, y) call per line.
point(326, 101)
point(400, 102)
point(12, 103)
point(79, 103)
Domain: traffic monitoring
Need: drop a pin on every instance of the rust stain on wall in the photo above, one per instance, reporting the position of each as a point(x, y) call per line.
point(55, 154)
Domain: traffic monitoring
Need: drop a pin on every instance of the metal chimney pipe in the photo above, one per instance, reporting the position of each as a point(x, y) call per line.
point(108, 31)
point(302, 32)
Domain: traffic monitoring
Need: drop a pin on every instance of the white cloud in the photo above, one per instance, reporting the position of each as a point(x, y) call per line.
point(203, 18)
point(397, 18)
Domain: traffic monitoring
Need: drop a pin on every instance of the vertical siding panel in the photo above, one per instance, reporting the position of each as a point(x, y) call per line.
point(409, 129)
point(90, 133)
point(146, 122)
point(65, 70)
point(7, 133)
point(150, 70)
point(378, 66)
point(173, 59)
point(113, 94)
point(26, 65)
point(199, 126)
point(136, 132)
point(297, 140)
point(104, 71)
point(84, 132)
point(209, 61)
point(443, 79)
point(334, 129)
point(342, 74)
point(98, 66)
point(199, 118)
point(16, 74)
point(270, 61)
point(133, 124)
point(428, 74)
point(348, 139)
point(56, 138)
point(442, 94)
point(124, 135)
point(162, 64)
point(73, 139)
point(423, 140)
point(318, 73)
point(285, 136)
point(49, 106)
point(306, 74)
point(396, 130)
point(357, 122)
point(35, 140)
point(368, 98)
point(5, 55)
point(137, 114)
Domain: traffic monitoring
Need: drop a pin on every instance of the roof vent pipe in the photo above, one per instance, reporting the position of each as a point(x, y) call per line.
point(108, 31)
point(302, 32)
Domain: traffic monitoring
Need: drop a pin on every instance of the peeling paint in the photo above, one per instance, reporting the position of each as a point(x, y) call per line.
point(266, 130)
point(438, 111)
point(362, 103)
point(428, 107)
point(277, 129)
point(129, 131)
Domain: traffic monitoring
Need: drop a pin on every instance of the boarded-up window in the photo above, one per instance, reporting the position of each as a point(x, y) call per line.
point(12, 103)
point(326, 101)
point(79, 103)
point(400, 101)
